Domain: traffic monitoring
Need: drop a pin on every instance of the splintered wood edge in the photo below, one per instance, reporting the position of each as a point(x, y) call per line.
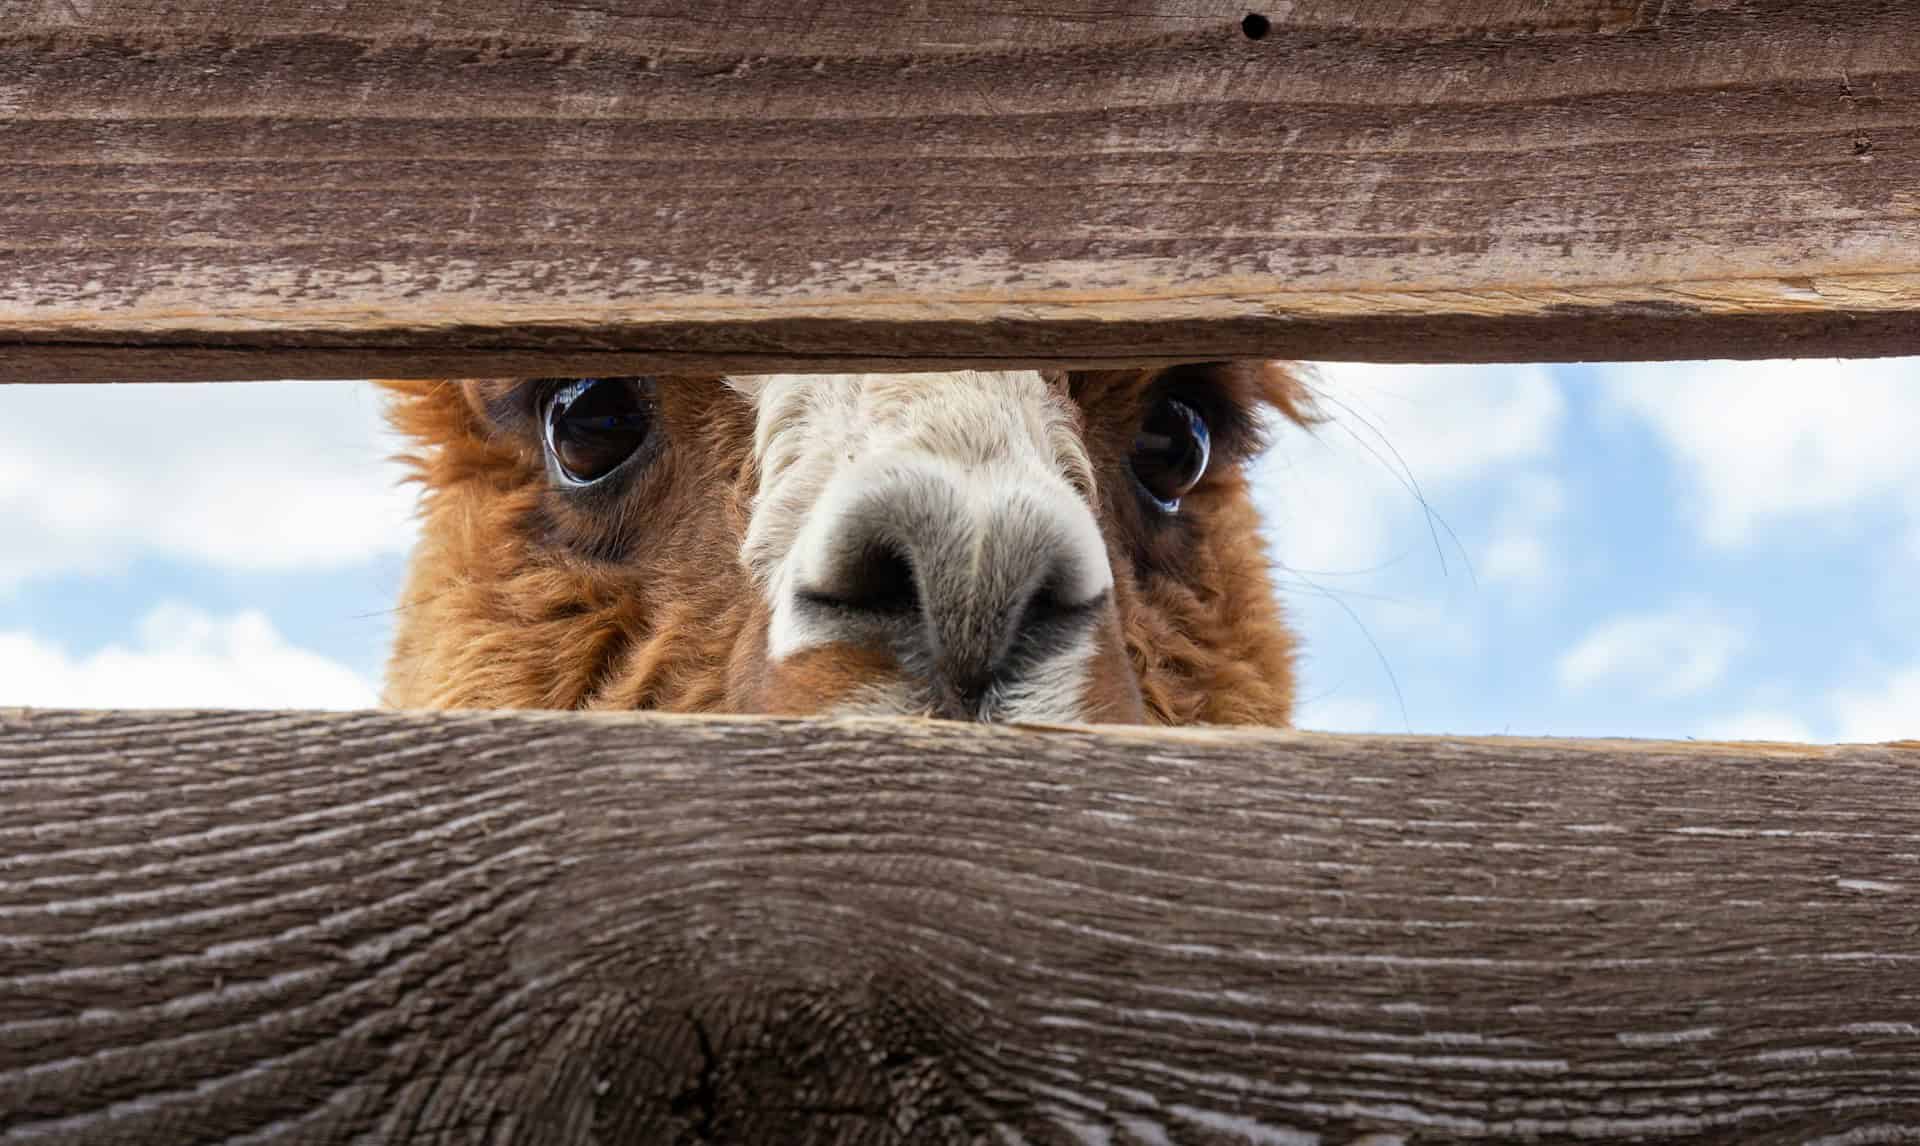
point(702, 726)
point(1843, 316)
point(1211, 300)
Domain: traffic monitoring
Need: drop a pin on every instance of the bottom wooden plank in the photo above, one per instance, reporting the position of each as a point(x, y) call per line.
point(550, 928)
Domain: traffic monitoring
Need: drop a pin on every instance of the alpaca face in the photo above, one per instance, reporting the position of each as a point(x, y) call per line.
point(1007, 546)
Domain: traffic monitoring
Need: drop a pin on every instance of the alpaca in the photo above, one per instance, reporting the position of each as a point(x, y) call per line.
point(1020, 546)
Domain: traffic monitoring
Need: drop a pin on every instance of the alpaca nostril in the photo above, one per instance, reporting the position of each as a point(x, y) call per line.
point(1044, 625)
point(1049, 607)
point(875, 578)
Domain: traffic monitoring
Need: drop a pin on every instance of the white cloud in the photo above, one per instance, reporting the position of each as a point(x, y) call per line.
point(1770, 443)
point(1327, 512)
point(1519, 556)
point(1346, 498)
point(1448, 423)
point(1342, 714)
point(253, 476)
point(1758, 724)
point(1678, 652)
point(1890, 712)
point(182, 658)
point(1438, 625)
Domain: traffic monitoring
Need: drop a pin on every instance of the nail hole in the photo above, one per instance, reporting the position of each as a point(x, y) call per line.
point(1255, 26)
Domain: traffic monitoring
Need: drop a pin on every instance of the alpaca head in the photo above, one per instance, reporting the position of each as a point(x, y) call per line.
point(1015, 546)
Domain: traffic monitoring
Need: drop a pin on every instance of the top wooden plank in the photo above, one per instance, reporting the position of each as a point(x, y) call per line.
point(250, 189)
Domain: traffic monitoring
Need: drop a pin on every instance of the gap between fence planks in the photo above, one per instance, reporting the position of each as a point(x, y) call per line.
point(256, 189)
point(550, 928)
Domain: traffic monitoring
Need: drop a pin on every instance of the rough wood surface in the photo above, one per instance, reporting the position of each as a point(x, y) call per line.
point(252, 188)
point(280, 928)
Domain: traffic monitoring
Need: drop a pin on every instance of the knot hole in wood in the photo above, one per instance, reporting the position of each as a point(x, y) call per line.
point(827, 1063)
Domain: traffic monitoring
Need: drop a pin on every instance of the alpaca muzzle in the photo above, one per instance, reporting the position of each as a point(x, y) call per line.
point(990, 595)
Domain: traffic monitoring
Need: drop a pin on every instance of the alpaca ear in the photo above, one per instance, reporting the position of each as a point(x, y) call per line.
point(493, 403)
point(1278, 385)
point(437, 411)
point(427, 410)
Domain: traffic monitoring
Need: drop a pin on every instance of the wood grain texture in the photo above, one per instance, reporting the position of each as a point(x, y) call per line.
point(544, 928)
point(248, 188)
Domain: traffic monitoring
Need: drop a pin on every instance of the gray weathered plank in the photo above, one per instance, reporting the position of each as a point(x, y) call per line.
point(259, 188)
point(281, 928)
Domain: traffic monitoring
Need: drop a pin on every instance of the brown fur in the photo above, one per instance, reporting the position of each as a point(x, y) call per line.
point(522, 595)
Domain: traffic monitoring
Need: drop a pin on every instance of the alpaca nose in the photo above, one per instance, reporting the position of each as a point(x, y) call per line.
point(977, 587)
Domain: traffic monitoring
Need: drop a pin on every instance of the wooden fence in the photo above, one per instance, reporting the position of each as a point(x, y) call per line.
point(295, 928)
point(262, 189)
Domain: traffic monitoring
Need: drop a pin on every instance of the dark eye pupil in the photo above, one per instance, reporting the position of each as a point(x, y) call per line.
point(1170, 452)
point(594, 424)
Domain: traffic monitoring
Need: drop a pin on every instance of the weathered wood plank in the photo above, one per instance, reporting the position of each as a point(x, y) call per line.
point(250, 188)
point(548, 928)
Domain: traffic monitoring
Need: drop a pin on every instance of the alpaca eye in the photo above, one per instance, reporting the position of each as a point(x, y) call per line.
point(1170, 452)
point(594, 424)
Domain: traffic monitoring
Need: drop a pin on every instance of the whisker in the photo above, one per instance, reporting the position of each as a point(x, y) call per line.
point(1405, 476)
point(1399, 698)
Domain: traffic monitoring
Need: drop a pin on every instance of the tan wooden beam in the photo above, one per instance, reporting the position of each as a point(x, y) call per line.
point(259, 189)
point(548, 928)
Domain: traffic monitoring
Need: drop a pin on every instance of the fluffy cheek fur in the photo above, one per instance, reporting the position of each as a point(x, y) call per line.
point(497, 613)
point(1205, 634)
point(500, 612)
point(1214, 655)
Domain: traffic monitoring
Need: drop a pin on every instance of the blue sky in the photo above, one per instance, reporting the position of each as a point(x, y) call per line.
point(1683, 549)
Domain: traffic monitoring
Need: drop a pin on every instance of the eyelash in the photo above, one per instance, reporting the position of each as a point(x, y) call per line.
point(1236, 428)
